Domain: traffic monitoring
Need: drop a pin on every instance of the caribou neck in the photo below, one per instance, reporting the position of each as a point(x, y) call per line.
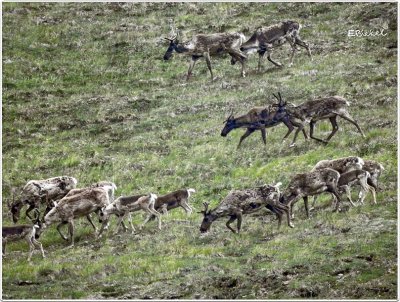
point(180, 48)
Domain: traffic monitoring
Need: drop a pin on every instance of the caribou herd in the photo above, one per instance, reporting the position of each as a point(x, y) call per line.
point(328, 176)
point(57, 200)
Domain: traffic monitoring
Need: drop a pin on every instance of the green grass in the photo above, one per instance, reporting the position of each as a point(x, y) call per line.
point(87, 94)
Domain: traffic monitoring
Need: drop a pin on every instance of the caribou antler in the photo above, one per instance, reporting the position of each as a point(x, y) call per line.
point(230, 115)
point(205, 207)
point(171, 39)
point(279, 98)
point(282, 103)
point(173, 33)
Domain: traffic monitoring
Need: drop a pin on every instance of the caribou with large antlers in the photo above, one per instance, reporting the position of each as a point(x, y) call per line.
point(259, 118)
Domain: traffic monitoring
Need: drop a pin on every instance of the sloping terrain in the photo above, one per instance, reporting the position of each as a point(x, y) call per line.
point(87, 94)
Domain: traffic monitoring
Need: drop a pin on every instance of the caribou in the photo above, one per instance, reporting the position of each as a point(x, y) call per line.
point(259, 118)
point(319, 109)
point(36, 192)
point(240, 202)
point(28, 232)
point(265, 39)
point(310, 184)
point(366, 175)
point(357, 176)
point(123, 206)
point(78, 205)
point(207, 45)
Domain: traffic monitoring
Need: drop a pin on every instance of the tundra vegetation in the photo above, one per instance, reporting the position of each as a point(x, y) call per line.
point(86, 93)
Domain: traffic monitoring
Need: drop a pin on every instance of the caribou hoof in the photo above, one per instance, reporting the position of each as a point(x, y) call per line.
point(292, 145)
point(291, 225)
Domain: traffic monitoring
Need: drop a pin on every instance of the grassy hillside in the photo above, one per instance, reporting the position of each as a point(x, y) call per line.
point(87, 94)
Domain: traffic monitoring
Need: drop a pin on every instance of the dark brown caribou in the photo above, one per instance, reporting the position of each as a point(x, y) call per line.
point(260, 118)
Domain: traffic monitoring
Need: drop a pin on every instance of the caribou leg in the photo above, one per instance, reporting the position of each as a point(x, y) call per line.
point(28, 210)
point(261, 54)
point(71, 232)
point(305, 198)
point(208, 61)
point(239, 56)
point(263, 135)
point(335, 127)
point(246, 134)
point(300, 128)
point(91, 222)
point(228, 224)
point(303, 44)
point(347, 117)
point(277, 212)
point(239, 222)
point(59, 229)
point(269, 51)
point(312, 125)
point(191, 66)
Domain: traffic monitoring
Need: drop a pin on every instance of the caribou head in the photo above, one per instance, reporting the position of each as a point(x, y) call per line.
point(230, 124)
point(208, 219)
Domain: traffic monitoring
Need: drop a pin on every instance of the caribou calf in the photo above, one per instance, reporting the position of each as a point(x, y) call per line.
point(360, 177)
point(375, 169)
point(238, 203)
point(28, 232)
point(167, 202)
point(123, 206)
point(341, 165)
